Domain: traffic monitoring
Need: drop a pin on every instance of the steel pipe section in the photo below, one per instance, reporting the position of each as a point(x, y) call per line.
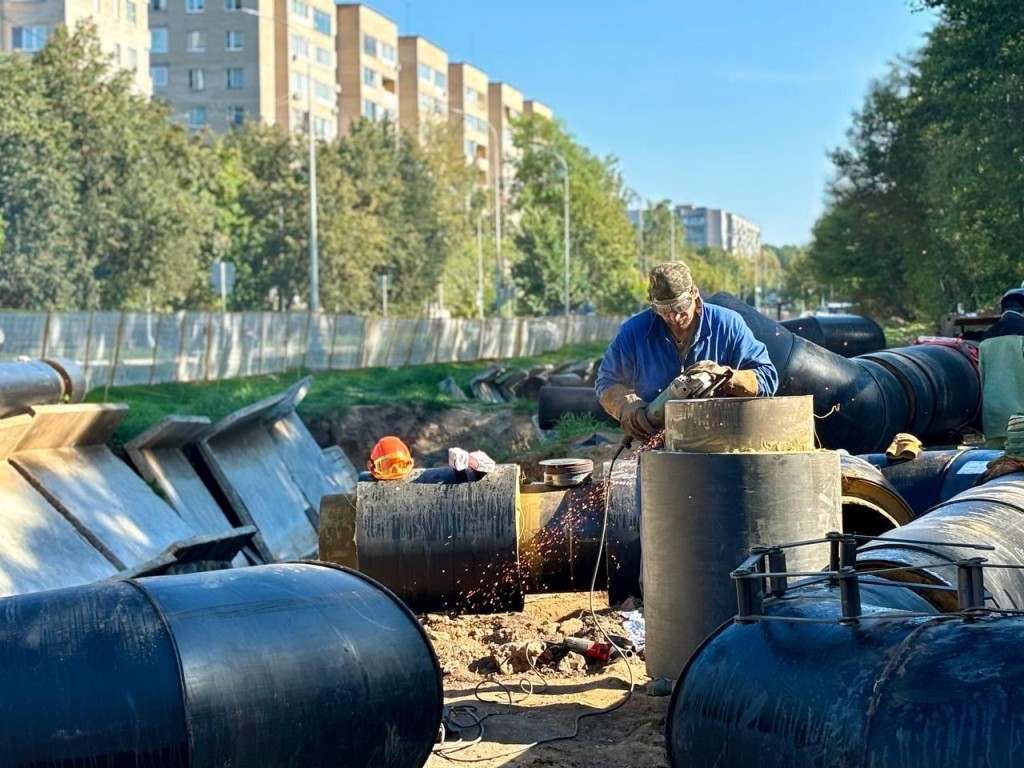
point(990, 514)
point(846, 335)
point(39, 382)
point(893, 690)
point(933, 476)
point(871, 504)
point(295, 664)
point(861, 403)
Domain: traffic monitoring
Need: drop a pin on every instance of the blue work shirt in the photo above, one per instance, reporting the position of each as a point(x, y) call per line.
point(643, 357)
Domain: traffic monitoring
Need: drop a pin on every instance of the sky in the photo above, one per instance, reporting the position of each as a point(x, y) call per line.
point(724, 103)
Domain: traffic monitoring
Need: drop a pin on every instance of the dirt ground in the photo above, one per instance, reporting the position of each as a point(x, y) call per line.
point(545, 699)
point(630, 736)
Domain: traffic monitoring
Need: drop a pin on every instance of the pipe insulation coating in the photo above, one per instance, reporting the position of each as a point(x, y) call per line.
point(846, 335)
point(931, 390)
point(892, 691)
point(701, 513)
point(39, 382)
point(301, 664)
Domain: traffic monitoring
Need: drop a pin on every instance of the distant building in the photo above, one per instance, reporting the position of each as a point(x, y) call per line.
point(505, 107)
point(534, 107)
point(422, 83)
point(122, 27)
point(715, 228)
point(367, 66)
point(467, 100)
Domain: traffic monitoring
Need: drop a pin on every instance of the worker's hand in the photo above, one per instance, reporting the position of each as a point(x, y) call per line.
point(709, 367)
point(633, 418)
point(741, 384)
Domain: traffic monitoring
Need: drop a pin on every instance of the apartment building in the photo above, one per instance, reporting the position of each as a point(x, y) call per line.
point(505, 105)
point(422, 83)
point(534, 107)
point(122, 28)
point(467, 105)
point(716, 228)
point(368, 65)
point(219, 63)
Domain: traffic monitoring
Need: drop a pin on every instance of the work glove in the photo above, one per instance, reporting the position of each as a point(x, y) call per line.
point(634, 421)
point(738, 383)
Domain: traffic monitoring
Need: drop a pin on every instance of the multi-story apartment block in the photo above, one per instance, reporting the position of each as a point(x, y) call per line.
point(534, 107)
point(122, 28)
point(218, 63)
point(422, 83)
point(469, 116)
point(713, 227)
point(367, 65)
point(505, 105)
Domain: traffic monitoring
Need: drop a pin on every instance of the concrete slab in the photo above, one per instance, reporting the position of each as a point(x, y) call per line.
point(39, 548)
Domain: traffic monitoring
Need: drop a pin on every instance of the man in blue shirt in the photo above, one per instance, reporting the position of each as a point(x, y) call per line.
point(652, 348)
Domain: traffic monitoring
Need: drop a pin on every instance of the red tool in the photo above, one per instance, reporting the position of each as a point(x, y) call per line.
point(591, 649)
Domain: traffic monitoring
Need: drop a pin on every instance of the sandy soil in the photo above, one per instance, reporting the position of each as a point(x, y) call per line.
point(547, 700)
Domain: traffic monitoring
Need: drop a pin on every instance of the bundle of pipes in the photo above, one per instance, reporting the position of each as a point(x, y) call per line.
point(875, 673)
point(39, 382)
point(300, 664)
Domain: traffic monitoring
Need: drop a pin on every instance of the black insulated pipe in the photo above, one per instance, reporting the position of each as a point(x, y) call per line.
point(891, 691)
point(295, 664)
point(846, 335)
point(554, 402)
point(862, 402)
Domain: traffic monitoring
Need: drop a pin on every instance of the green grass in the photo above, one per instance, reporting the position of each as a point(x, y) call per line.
point(575, 425)
point(332, 393)
point(905, 334)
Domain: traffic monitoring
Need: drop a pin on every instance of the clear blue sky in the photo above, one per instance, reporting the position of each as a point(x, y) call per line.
point(726, 103)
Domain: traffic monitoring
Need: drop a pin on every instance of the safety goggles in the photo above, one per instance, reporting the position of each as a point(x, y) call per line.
point(389, 467)
point(675, 306)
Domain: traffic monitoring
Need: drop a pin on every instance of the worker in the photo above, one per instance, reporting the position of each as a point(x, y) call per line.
point(1001, 359)
point(390, 459)
point(677, 331)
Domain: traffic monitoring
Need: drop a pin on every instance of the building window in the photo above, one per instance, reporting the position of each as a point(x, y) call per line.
point(370, 109)
point(129, 12)
point(322, 128)
point(324, 57)
point(321, 22)
point(300, 84)
point(236, 78)
point(233, 40)
point(116, 55)
point(236, 116)
point(158, 74)
point(425, 72)
point(195, 41)
point(196, 80)
point(370, 45)
point(117, 9)
point(195, 6)
point(388, 53)
point(300, 9)
point(158, 40)
point(28, 38)
point(424, 101)
point(300, 47)
point(133, 59)
point(440, 79)
point(323, 92)
point(197, 117)
point(158, 5)
point(369, 77)
point(231, 6)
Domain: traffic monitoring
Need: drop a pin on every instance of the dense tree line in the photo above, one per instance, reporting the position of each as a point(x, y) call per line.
point(108, 202)
point(925, 209)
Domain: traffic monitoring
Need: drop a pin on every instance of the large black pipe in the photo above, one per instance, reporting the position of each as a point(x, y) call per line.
point(892, 691)
point(861, 403)
point(846, 335)
point(990, 514)
point(554, 402)
point(280, 665)
point(933, 476)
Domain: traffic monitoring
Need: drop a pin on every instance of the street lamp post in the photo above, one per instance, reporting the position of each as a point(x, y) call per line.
point(499, 267)
point(314, 246)
point(565, 216)
point(632, 194)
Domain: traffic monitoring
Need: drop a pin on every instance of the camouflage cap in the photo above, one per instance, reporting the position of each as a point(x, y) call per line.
point(669, 281)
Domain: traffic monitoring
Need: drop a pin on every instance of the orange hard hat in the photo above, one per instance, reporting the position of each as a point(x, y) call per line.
point(389, 459)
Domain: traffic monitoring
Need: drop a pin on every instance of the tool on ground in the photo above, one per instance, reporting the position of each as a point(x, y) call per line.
point(591, 649)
